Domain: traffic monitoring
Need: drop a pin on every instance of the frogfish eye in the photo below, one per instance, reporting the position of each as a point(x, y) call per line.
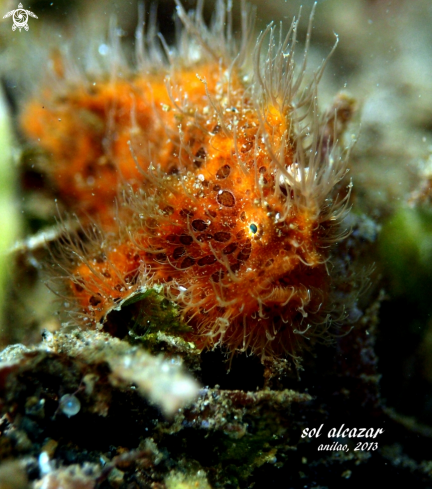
point(253, 228)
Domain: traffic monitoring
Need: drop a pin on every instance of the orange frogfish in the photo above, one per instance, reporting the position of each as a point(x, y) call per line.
point(214, 178)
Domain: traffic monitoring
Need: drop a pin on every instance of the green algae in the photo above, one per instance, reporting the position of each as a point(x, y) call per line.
point(143, 317)
point(406, 251)
point(8, 217)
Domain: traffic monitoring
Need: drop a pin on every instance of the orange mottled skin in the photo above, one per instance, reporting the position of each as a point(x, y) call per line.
point(87, 129)
point(212, 232)
point(228, 201)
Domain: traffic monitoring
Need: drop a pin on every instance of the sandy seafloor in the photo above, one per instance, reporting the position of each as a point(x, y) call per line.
point(243, 431)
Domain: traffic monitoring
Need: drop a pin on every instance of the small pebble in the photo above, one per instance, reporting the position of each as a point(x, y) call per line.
point(70, 405)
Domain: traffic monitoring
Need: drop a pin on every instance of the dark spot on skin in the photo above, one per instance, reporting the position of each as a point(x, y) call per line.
point(247, 246)
point(106, 274)
point(216, 129)
point(199, 225)
point(187, 262)
point(168, 210)
point(200, 155)
point(151, 223)
point(241, 234)
point(245, 250)
point(161, 257)
point(204, 237)
point(185, 239)
point(218, 276)
point(90, 170)
point(110, 165)
point(178, 252)
point(283, 190)
point(185, 213)
point(236, 267)
point(207, 260)
point(243, 216)
point(229, 249)
point(247, 146)
point(211, 213)
point(216, 188)
point(269, 262)
point(262, 169)
point(78, 287)
point(223, 172)
point(135, 257)
point(172, 171)
point(243, 256)
point(222, 237)
point(94, 300)
point(172, 238)
point(100, 258)
point(226, 198)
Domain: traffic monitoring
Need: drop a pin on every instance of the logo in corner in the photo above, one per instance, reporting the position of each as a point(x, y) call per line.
point(20, 17)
